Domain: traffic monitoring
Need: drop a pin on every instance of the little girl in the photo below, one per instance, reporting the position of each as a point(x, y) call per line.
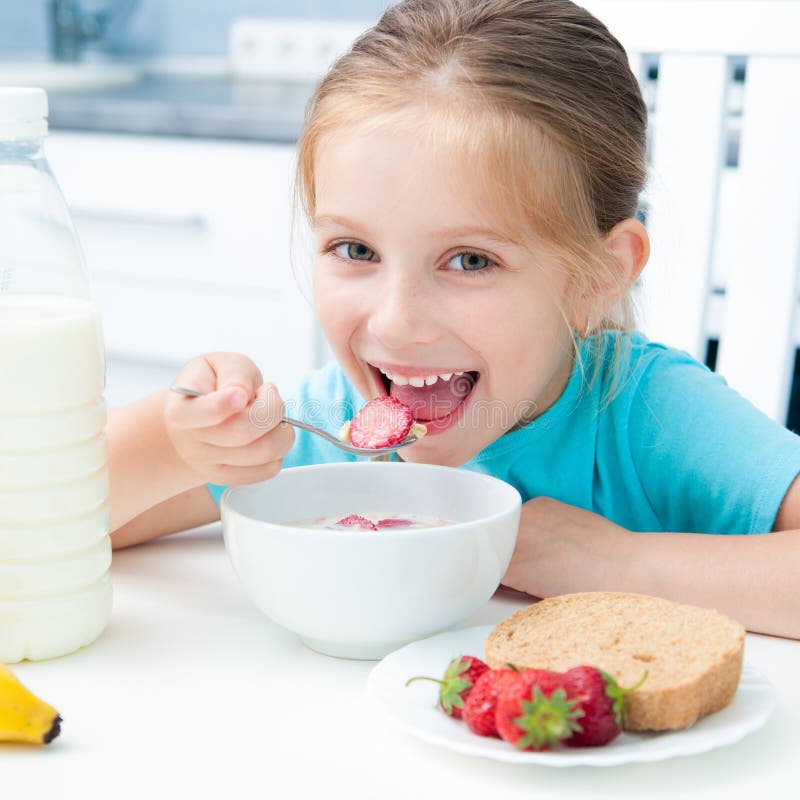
point(471, 172)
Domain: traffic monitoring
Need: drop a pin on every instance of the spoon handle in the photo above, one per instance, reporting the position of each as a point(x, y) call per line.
point(184, 391)
point(312, 429)
point(296, 422)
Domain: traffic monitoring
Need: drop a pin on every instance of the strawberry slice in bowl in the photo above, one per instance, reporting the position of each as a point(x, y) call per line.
point(394, 522)
point(382, 422)
point(356, 521)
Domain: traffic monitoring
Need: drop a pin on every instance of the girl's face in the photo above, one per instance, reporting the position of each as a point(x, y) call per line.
point(414, 281)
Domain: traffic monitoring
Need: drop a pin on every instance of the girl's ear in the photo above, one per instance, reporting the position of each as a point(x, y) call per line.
point(629, 244)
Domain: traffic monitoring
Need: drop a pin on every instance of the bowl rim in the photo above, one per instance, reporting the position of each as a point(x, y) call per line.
point(385, 533)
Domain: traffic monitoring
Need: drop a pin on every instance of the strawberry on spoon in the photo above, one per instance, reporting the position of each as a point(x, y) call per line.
point(382, 422)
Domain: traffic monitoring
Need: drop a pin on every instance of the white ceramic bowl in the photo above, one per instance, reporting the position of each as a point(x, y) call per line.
point(361, 594)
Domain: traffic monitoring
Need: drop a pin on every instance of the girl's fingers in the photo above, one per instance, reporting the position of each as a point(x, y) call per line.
point(187, 413)
point(235, 369)
point(267, 409)
point(272, 446)
point(243, 427)
point(228, 382)
point(239, 476)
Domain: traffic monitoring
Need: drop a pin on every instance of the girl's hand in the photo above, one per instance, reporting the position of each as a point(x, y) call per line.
point(561, 548)
point(219, 436)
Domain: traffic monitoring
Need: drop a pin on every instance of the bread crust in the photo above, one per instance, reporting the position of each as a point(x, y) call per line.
point(671, 701)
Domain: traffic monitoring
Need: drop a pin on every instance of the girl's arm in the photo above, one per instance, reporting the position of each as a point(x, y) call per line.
point(755, 576)
point(752, 578)
point(186, 510)
point(144, 469)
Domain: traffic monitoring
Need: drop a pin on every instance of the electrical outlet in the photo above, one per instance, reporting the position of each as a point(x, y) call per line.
point(288, 49)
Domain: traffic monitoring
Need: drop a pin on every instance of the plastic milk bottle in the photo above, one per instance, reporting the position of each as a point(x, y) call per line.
point(55, 551)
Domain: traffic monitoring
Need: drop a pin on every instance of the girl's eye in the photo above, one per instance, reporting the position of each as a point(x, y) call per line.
point(354, 251)
point(469, 262)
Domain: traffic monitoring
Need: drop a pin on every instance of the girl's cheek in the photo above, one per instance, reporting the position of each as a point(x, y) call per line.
point(336, 307)
point(324, 296)
point(326, 316)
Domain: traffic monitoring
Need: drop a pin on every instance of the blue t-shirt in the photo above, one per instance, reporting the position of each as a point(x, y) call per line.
point(676, 450)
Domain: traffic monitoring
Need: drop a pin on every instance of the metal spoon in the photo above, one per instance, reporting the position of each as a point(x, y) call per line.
point(348, 448)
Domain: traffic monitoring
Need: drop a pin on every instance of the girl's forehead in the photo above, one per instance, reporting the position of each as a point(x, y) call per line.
point(380, 147)
point(406, 170)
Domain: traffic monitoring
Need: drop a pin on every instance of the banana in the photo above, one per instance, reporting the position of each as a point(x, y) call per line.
point(23, 716)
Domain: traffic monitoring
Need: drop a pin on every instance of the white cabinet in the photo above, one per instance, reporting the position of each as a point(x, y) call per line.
point(187, 244)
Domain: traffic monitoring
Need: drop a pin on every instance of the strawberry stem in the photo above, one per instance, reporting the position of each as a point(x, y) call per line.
point(423, 678)
point(617, 694)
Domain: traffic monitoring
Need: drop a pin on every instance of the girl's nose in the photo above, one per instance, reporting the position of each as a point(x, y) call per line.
point(402, 313)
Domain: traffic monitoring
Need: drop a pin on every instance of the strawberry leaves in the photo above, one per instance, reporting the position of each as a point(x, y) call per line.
point(456, 683)
point(547, 720)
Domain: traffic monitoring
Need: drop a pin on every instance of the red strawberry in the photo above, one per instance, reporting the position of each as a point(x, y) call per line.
point(356, 521)
point(395, 522)
point(456, 685)
point(535, 712)
point(383, 422)
point(603, 704)
point(479, 710)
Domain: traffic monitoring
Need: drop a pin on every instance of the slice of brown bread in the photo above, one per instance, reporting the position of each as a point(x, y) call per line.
point(693, 655)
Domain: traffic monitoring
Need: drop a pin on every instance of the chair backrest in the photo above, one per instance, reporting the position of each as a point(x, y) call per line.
point(723, 202)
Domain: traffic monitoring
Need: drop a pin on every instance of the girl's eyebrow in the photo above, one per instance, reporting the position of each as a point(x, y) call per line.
point(491, 235)
point(332, 220)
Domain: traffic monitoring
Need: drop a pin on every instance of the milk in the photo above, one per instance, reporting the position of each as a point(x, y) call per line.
point(382, 520)
point(55, 550)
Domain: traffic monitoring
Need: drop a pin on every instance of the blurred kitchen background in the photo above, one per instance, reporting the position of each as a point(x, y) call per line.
point(173, 125)
point(158, 27)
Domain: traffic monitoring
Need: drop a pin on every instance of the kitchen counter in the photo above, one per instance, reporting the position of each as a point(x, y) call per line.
point(209, 106)
point(191, 691)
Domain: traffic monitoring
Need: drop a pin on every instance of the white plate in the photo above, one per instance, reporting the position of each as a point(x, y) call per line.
point(414, 709)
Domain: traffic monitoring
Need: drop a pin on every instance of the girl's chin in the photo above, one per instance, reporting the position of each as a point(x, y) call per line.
point(437, 460)
point(437, 451)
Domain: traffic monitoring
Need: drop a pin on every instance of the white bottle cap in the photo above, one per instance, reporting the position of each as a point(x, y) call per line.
point(23, 113)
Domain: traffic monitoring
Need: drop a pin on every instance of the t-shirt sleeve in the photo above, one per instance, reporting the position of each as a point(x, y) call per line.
point(325, 398)
point(708, 460)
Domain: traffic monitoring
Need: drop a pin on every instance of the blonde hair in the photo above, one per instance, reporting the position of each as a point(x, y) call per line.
point(538, 97)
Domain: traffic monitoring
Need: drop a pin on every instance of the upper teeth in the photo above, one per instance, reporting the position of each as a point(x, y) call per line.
point(419, 380)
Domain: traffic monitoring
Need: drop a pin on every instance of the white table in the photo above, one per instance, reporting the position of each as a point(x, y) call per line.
point(192, 692)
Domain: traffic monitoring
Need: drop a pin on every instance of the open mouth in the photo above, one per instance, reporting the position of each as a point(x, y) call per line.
point(434, 399)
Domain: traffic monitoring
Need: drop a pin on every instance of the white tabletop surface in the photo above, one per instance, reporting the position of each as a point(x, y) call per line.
point(192, 692)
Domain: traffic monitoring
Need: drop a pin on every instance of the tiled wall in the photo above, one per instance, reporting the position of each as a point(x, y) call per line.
point(195, 27)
